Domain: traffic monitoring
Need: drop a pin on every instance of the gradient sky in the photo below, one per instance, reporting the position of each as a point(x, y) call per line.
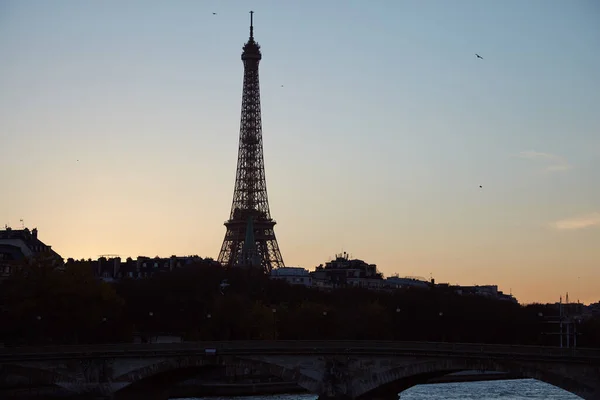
point(119, 123)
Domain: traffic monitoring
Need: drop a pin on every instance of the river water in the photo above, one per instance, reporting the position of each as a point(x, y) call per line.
point(491, 390)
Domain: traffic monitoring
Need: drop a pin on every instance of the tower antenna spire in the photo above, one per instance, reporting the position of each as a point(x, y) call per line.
point(251, 26)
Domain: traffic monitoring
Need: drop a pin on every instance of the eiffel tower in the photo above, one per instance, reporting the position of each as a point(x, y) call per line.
point(250, 239)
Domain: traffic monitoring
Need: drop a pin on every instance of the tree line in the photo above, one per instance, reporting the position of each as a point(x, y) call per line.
point(40, 304)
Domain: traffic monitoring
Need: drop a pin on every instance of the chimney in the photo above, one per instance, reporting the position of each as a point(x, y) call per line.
point(34, 233)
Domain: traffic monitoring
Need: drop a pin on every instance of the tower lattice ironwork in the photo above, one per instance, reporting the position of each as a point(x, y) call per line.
point(250, 238)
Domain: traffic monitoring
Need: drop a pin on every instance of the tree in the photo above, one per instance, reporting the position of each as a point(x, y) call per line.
point(45, 304)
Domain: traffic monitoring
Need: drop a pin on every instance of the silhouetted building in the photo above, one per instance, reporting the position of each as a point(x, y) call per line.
point(114, 269)
point(343, 272)
point(19, 245)
point(489, 291)
point(292, 275)
point(396, 282)
point(593, 310)
point(484, 290)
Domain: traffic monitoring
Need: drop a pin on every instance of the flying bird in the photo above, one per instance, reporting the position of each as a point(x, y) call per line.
point(481, 186)
point(214, 13)
point(478, 56)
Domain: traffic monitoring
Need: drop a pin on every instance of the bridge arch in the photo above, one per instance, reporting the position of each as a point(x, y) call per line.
point(34, 376)
point(401, 378)
point(157, 378)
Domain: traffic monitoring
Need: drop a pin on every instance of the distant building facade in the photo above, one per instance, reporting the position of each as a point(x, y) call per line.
point(396, 282)
point(593, 310)
point(19, 245)
point(114, 269)
point(292, 275)
point(489, 291)
point(346, 272)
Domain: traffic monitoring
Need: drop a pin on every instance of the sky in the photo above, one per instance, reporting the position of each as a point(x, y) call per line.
point(119, 123)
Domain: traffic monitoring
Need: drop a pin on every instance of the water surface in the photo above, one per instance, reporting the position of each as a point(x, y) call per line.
point(511, 389)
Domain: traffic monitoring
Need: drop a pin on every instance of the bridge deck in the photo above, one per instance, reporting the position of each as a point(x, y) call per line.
point(298, 347)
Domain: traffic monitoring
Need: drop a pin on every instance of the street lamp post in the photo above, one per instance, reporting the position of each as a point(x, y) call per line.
point(103, 330)
point(326, 325)
point(274, 310)
point(208, 328)
point(397, 326)
point(150, 326)
point(39, 328)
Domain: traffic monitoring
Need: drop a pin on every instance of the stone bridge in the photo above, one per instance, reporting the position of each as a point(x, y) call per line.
point(330, 369)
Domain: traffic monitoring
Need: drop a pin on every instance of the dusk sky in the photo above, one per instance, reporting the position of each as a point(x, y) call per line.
point(119, 124)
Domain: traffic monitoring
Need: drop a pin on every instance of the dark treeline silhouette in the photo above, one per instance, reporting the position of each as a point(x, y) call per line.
point(42, 305)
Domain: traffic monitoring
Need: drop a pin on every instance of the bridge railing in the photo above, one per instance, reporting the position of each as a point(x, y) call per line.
point(388, 346)
point(303, 346)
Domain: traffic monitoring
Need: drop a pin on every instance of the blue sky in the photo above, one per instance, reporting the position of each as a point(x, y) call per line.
point(119, 123)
